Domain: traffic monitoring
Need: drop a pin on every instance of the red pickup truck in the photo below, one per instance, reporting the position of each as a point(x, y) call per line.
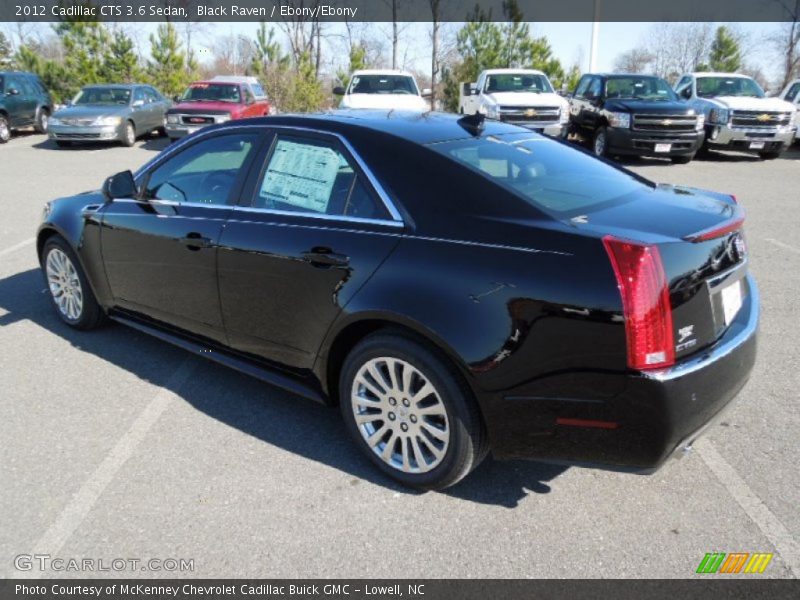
point(215, 101)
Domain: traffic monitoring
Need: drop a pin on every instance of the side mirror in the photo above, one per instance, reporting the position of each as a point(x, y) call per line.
point(13, 92)
point(426, 93)
point(120, 185)
point(338, 91)
point(686, 93)
point(176, 98)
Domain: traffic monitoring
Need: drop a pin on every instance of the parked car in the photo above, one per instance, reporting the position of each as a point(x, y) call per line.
point(217, 100)
point(791, 93)
point(456, 286)
point(738, 114)
point(110, 113)
point(636, 115)
point(24, 102)
point(383, 89)
point(520, 96)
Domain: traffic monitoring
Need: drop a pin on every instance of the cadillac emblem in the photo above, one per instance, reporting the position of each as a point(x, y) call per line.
point(530, 112)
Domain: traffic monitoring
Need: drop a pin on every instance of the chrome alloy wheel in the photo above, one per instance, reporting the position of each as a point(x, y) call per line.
point(5, 130)
point(130, 134)
point(400, 415)
point(600, 144)
point(65, 286)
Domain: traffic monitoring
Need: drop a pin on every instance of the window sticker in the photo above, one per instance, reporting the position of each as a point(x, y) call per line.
point(301, 175)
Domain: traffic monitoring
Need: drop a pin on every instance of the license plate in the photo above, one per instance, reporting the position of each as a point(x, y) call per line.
point(663, 147)
point(731, 301)
point(756, 145)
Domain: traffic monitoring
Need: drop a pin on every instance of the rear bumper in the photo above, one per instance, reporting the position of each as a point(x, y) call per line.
point(653, 416)
point(643, 143)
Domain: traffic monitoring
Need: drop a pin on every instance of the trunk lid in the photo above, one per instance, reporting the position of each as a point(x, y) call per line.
point(703, 252)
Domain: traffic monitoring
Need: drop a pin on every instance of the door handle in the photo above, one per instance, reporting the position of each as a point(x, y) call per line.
point(325, 257)
point(195, 241)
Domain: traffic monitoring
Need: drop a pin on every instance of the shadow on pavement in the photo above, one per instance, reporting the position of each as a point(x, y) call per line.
point(279, 418)
point(148, 142)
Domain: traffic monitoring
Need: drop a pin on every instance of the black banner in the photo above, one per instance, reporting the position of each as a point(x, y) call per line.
point(422, 589)
point(399, 10)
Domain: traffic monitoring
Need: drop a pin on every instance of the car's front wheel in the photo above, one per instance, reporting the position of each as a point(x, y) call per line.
point(600, 142)
point(410, 412)
point(68, 287)
point(128, 135)
point(5, 130)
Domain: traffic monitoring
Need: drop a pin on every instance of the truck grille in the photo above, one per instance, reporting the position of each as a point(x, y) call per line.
point(530, 114)
point(196, 120)
point(759, 118)
point(669, 123)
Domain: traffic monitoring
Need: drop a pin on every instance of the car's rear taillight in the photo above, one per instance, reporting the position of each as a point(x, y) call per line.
point(645, 302)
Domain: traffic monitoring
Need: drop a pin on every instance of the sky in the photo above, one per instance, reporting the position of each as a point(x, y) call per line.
point(570, 41)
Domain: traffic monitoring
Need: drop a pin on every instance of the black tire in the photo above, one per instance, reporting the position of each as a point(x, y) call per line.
point(63, 143)
point(601, 133)
point(769, 155)
point(5, 130)
point(128, 138)
point(42, 120)
point(91, 315)
point(467, 444)
point(682, 160)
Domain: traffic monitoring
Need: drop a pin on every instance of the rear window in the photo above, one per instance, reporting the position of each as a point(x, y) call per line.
point(383, 84)
point(557, 179)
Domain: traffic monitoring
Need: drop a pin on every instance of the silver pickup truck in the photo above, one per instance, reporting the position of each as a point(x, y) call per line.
point(738, 115)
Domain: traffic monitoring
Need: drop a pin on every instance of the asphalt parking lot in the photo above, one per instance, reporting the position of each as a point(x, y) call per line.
point(116, 445)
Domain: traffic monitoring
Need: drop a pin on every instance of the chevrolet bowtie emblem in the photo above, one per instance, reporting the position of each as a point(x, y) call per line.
point(763, 118)
point(666, 122)
point(530, 113)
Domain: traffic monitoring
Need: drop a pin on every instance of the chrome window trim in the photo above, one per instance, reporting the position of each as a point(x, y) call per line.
point(320, 216)
point(396, 220)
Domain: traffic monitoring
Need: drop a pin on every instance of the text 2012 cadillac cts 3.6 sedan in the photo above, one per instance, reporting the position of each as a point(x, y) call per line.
point(455, 286)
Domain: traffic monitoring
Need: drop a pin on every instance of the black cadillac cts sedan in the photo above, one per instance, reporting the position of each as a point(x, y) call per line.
point(456, 287)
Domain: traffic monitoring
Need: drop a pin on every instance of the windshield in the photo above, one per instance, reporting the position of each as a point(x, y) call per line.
point(102, 96)
point(639, 88)
point(708, 87)
point(517, 82)
point(213, 92)
point(553, 177)
point(383, 84)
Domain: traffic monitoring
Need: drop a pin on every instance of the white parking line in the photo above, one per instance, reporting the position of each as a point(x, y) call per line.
point(783, 245)
point(86, 497)
point(16, 247)
point(759, 513)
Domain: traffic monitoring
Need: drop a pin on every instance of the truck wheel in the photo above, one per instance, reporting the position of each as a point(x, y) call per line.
point(5, 130)
point(600, 143)
point(682, 160)
point(42, 120)
point(769, 155)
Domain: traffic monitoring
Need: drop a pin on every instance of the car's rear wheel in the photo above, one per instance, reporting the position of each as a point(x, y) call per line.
point(69, 290)
point(600, 142)
point(5, 130)
point(128, 135)
point(42, 121)
point(409, 411)
point(682, 160)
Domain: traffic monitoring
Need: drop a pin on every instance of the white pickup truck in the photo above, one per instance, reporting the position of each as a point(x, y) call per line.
point(383, 89)
point(738, 115)
point(520, 96)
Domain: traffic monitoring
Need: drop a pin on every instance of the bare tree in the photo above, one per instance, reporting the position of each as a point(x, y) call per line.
point(787, 43)
point(636, 60)
point(678, 47)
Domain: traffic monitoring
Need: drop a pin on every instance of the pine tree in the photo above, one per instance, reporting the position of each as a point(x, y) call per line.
point(85, 47)
point(167, 69)
point(121, 63)
point(725, 54)
point(5, 49)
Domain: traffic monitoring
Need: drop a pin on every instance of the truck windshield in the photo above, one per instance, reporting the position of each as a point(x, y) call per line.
point(383, 84)
point(517, 82)
point(102, 96)
point(560, 180)
point(212, 92)
point(708, 87)
point(639, 88)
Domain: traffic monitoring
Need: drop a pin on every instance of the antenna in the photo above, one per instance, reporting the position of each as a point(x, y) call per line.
point(473, 124)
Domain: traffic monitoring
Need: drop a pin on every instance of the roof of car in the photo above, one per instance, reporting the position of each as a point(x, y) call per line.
point(718, 74)
point(422, 128)
point(114, 85)
point(381, 72)
point(509, 71)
